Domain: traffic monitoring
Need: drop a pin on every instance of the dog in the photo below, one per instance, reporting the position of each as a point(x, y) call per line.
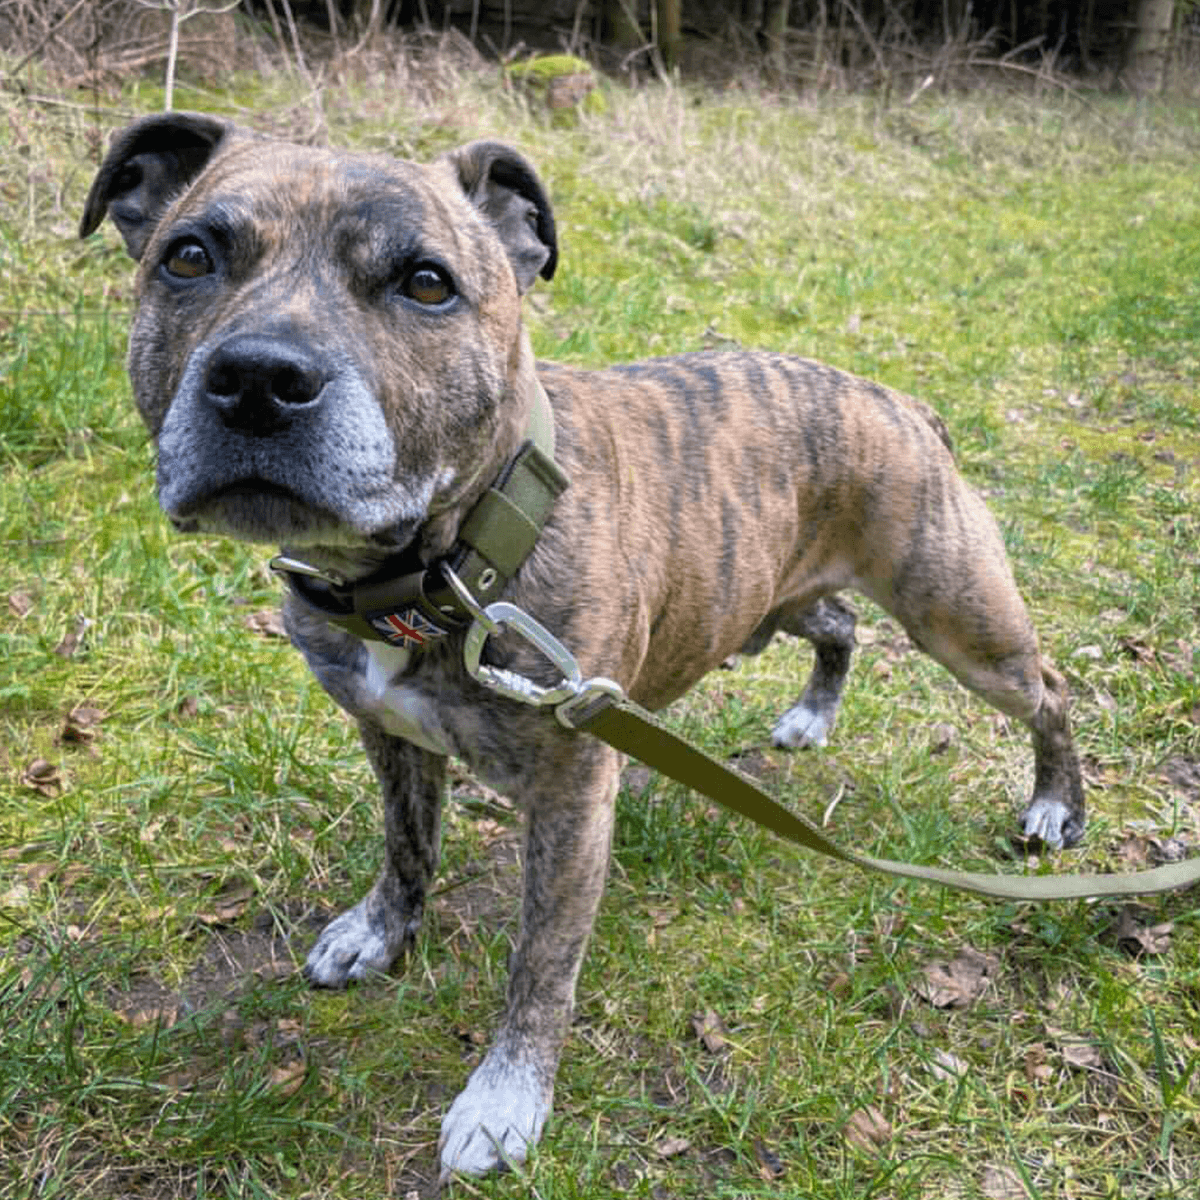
point(328, 351)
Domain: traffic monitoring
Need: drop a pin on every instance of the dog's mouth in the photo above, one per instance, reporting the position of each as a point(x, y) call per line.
point(271, 513)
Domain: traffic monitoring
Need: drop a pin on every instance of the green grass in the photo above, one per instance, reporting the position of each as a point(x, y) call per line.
point(1031, 267)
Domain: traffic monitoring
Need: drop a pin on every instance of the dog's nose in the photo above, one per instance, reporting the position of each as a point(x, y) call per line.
point(260, 384)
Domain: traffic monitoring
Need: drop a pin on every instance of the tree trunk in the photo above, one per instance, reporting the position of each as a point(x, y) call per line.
point(620, 25)
point(669, 31)
point(775, 23)
point(1146, 55)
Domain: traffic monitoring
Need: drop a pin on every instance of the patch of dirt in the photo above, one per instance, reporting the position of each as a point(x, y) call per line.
point(485, 894)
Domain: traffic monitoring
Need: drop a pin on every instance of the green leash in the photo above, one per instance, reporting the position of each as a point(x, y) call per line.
point(600, 707)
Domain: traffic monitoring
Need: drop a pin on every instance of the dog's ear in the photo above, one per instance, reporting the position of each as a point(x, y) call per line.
point(507, 191)
point(149, 163)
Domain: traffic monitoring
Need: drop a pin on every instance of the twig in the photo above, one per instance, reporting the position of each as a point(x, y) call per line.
point(48, 35)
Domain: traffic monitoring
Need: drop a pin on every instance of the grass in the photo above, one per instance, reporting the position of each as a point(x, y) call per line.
point(180, 809)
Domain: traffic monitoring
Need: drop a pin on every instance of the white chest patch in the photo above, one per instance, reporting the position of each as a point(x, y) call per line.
point(403, 711)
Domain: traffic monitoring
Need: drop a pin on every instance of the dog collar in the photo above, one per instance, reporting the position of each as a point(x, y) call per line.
point(410, 604)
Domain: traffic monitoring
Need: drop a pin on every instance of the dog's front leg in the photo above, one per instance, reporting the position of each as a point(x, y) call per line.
point(500, 1113)
point(366, 939)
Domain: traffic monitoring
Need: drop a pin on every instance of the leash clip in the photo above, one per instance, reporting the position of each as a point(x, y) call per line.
point(284, 565)
point(573, 693)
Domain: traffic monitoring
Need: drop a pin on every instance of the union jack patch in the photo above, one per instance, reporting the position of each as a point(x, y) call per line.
point(407, 628)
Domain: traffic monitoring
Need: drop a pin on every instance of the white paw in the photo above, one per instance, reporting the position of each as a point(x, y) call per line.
point(1046, 821)
point(351, 947)
point(496, 1119)
point(801, 727)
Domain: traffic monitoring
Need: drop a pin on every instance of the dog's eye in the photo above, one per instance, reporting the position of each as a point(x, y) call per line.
point(187, 259)
point(429, 285)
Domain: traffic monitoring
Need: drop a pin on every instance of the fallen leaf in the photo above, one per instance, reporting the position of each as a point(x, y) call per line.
point(1001, 1183)
point(941, 738)
point(227, 905)
point(770, 1165)
point(1182, 772)
point(959, 983)
point(43, 777)
point(37, 873)
point(947, 1066)
point(82, 725)
point(868, 1130)
point(73, 640)
point(1078, 1052)
point(1133, 851)
point(1168, 850)
point(266, 622)
point(20, 604)
point(1138, 650)
point(165, 1016)
point(711, 1030)
point(288, 1080)
point(1137, 939)
point(671, 1147)
point(1037, 1069)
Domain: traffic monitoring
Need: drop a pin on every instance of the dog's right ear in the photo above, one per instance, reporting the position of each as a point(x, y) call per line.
point(149, 163)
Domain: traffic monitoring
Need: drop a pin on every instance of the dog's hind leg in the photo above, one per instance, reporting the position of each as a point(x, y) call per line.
point(367, 938)
point(829, 626)
point(984, 637)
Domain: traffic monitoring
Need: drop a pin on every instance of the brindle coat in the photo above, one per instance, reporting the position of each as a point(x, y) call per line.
point(328, 350)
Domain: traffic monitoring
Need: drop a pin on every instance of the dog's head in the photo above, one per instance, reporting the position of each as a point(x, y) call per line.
point(328, 346)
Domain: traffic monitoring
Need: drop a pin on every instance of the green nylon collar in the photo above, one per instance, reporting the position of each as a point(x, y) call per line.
point(409, 604)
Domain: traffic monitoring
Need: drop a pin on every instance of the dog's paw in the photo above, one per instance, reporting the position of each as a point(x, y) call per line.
point(803, 726)
point(1052, 823)
point(352, 947)
point(496, 1119)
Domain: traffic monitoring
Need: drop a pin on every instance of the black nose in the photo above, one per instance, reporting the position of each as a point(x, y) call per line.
point(260, 384)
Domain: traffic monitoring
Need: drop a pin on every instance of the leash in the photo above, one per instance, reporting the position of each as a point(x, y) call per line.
point(410, 604)
point(600, 707)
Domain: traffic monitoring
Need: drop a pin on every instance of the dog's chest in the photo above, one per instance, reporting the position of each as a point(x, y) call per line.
point(404, 711)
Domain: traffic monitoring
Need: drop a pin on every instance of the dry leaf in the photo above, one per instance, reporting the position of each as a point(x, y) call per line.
point(43, 777)
point(1138, 939)
point(868, 1130)
point(770, 1165)
point(166, 1016)
point(941, 738)
point(671, 1147)
point(1078, 1052)
point(71, 643)
point(1136, 649)
point(82, 725)
point(266, 622)
point(288, 1080)
point(959, 983)
point(1001, 1183)
point(947, 1066)
point(227, 905)
point(1182, 772)
point(1037, 1069)
point(20, 604)
point(710, 1029)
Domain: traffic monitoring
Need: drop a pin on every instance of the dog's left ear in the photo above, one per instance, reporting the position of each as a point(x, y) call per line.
point(507, 191)
point(148, 164)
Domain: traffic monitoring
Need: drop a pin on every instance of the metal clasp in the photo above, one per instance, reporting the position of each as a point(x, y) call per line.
point(567, 697)
point(281, 564)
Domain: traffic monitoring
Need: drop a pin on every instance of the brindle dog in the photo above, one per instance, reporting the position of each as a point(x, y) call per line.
point(328, 350)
